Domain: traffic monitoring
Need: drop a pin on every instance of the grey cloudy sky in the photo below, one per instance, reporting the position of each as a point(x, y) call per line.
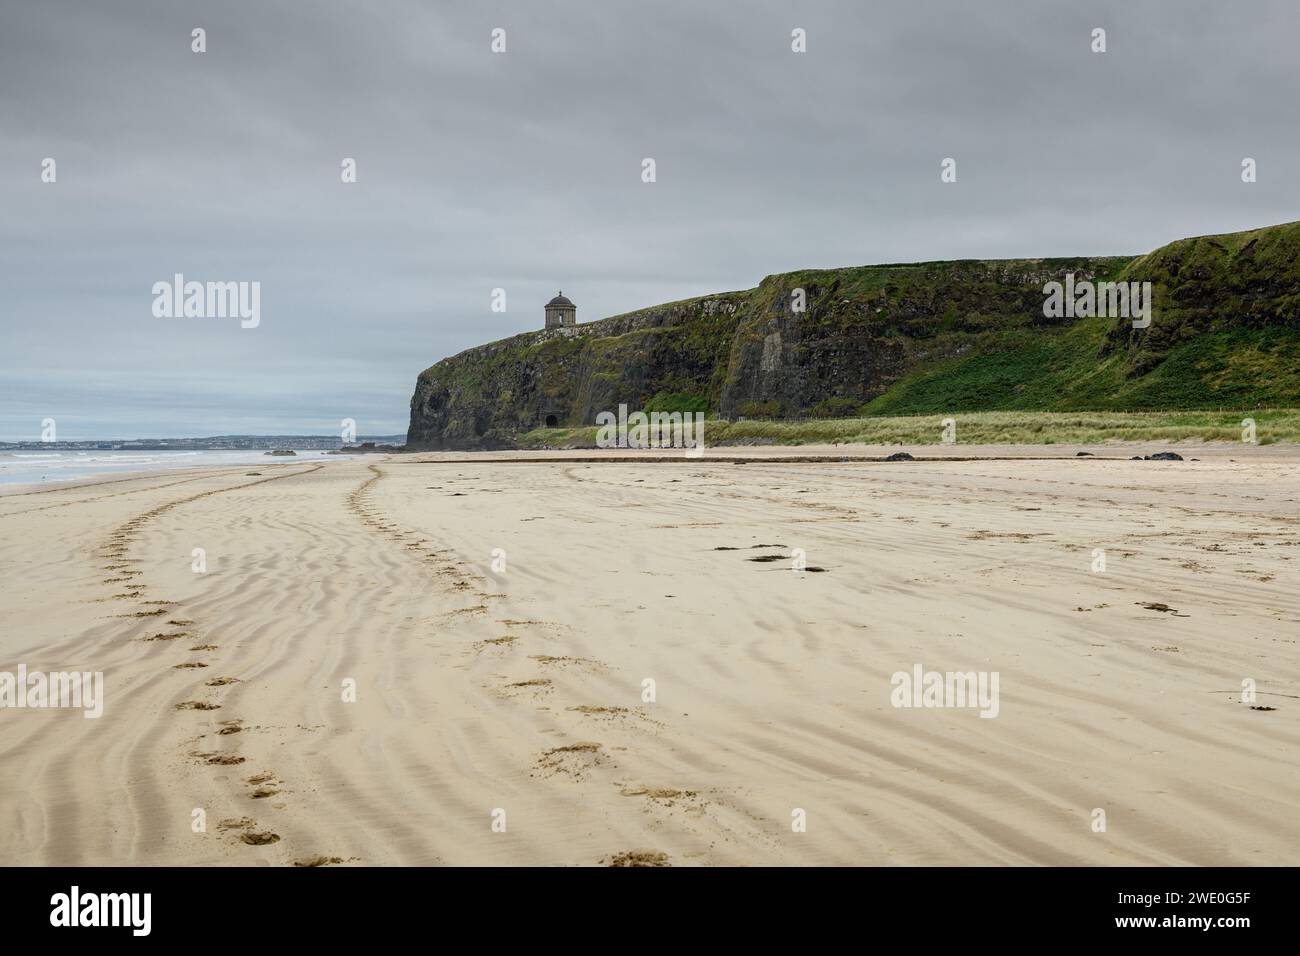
point(522, 171)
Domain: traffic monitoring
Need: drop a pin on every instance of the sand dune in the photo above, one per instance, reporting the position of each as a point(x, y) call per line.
point(519, 688)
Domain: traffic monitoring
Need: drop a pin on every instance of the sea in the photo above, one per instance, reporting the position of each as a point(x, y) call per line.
point(52, 467)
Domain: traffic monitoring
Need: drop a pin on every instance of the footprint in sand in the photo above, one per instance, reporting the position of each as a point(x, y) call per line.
point(504, 641)
point(475, 609)
point(197, 705)
point(667, 797)
point(260, 839)
point(534, 684)
point(189, 664)
point(637, 858)
point(615, 714)
point(574, 760)
point(592, 710)
point(219, 760)
point(563, 661)
point(221, 681)
point(262, 782)
point(658, 793)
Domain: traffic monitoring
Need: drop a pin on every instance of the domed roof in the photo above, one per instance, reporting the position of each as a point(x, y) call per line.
point(560, 300)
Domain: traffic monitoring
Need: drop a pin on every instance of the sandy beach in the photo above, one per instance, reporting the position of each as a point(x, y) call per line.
point(499, 616)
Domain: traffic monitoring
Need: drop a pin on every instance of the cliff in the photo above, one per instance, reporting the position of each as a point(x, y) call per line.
point(901, 339)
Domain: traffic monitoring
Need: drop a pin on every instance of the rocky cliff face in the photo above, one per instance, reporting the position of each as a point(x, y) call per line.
point(864, 329)
point(483, 397)
point(895, 338)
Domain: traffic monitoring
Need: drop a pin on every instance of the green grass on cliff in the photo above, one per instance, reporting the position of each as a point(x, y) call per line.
point(881, 353)
point(977, 428)
point(1030, 371)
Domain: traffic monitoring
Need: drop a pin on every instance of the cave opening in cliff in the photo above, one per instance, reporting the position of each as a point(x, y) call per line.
point(552, 421)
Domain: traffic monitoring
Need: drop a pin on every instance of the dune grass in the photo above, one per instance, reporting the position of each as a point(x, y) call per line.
point(977, 428)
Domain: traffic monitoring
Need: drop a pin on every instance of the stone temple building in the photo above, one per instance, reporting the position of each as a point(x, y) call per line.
point(561, 313)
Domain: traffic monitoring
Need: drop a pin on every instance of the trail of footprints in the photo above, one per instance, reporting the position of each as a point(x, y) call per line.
point(120, 567)
point(582, 759)
point(442, 561)
point(576, 761)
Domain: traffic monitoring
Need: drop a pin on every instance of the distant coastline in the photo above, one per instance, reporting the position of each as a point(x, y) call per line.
point(45, 465)
point(212, 443)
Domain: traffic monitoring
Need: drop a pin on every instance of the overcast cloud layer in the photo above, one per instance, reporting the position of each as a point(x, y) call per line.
point(522, 171)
